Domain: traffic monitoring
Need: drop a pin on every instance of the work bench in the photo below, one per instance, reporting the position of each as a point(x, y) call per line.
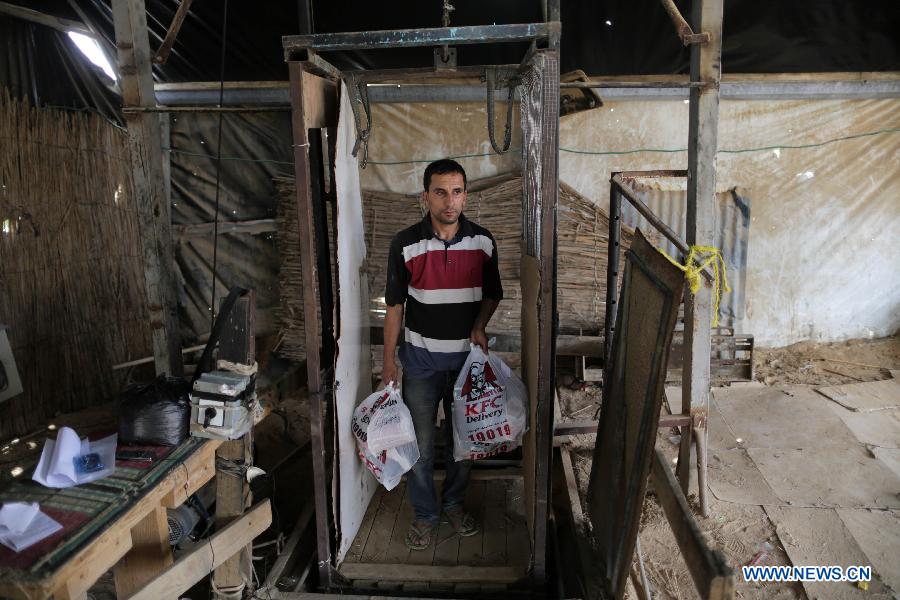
point(118, 522)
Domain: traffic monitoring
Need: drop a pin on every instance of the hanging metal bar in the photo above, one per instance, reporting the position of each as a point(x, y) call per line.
point(379, 75)
point(411, 38)
point(685, 33)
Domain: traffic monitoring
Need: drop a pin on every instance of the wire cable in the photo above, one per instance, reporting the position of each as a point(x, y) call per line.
point(563, 149)
point(212, 305)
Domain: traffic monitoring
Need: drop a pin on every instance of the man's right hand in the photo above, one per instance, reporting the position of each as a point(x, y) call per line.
point(389, 371)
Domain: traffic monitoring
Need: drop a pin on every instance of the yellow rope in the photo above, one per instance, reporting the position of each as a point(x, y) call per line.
point(698, 258)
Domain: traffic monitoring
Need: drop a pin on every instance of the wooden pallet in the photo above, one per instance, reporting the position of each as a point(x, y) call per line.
point(138, 537)
point(495, 559)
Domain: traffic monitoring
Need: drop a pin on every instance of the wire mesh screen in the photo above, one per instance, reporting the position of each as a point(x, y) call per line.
point(531, 157)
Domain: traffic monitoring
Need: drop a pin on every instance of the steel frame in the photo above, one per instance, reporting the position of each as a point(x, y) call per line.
point(413, 38)
point(301, 52)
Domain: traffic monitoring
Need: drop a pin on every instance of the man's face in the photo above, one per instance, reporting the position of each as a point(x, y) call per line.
point(445, 197)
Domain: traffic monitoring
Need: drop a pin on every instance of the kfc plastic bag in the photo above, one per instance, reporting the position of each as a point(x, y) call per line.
point(389, 466)
point(382, 421)
point(489, 403)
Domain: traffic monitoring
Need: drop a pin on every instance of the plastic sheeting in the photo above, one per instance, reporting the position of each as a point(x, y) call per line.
point(262, 144)
point(353, 366)
point(821, 261)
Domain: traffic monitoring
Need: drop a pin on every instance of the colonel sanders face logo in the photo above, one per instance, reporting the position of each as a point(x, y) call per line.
point(481, 379)
point(477, 379)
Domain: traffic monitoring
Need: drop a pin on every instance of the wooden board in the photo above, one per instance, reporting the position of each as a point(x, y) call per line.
point(889, 457)
point(712, 576)
point(867, 396)
point(530, 278)
point(471, 548)
point(319, 101)
point(828, 476)
point(734, 477)
point(877, 532)
point(632, 399)
point(808, 536)
point(880, 428)
point(792, 417)
point(427, 573)
point(500, 552)
point(192, 567)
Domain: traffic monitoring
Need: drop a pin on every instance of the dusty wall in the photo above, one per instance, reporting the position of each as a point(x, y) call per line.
point(822, 258)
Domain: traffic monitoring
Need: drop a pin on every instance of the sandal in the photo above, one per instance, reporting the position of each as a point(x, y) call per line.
point(419, 535)
point(462, 522)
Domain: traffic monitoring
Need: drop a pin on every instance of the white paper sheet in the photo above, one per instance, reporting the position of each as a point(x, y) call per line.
point(16, 516)
point(23, 524)
point(56, 468)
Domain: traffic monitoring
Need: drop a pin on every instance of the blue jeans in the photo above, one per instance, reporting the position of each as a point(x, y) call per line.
point(422, 397)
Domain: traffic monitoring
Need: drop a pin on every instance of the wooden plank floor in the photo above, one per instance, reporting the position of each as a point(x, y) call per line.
point(498, 554)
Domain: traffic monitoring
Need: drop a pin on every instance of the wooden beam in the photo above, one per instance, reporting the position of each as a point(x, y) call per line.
point(279, 595)
point(713, 577)
point(237, 345)
point(150, 553)
point(703, 126)
point(319, 101)
point(195, 565)
point(130, 20)
point(255, 227)
point(317, 408)
point(549, 198)
point(33, 16)
point(163, 53)
point(579, 345)
point(430, 573)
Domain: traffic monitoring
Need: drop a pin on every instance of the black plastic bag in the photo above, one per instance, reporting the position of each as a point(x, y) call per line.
point(156, 413)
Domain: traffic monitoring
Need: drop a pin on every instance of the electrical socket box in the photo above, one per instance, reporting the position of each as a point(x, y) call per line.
point(10, 384)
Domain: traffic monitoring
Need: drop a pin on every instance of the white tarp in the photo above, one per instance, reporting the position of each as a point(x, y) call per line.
point(353, 367)
point(822, 259)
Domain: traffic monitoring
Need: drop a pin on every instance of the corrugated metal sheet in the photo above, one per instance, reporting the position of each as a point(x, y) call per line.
point(732, 233)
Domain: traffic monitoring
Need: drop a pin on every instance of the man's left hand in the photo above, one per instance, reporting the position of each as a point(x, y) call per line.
point(479, 338)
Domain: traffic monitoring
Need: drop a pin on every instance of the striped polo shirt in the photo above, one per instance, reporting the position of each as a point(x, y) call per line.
point(442, 284)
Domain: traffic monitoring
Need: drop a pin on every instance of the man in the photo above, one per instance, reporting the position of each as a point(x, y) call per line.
point(444, 269)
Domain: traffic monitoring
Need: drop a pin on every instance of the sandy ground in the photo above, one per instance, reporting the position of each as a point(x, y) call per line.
point(743, 533)
point(828, 364)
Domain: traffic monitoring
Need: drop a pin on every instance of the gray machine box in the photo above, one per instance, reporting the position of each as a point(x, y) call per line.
point(220, 407)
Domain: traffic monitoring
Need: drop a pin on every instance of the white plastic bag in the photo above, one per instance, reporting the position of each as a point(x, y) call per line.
point(385, 436)
point(382, 421)
point(489, 403)
point(389, 466)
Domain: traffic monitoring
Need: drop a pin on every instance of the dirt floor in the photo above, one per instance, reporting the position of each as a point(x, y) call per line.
point(828, 364)
point(743, 532)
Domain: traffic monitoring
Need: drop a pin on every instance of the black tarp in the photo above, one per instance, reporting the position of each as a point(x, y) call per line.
point(262, 142)
point(765, 36)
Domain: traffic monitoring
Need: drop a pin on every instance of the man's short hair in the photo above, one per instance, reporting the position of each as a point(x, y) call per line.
point(443, 167)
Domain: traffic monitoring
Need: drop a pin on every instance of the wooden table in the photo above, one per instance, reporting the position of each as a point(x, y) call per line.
point(130, 535)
